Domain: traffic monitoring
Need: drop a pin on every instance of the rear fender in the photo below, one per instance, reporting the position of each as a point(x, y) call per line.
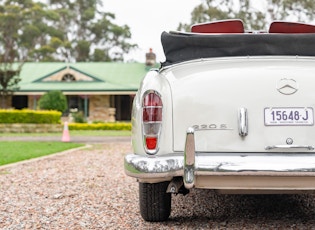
point(155, 81)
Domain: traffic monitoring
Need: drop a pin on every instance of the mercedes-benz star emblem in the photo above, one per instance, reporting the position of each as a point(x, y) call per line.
point(287, 86)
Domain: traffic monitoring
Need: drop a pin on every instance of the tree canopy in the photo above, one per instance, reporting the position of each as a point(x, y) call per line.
point(256, 15)
point(53, 100)
point(63, 30)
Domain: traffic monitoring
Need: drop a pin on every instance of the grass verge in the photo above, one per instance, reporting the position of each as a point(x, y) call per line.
point(11, 152)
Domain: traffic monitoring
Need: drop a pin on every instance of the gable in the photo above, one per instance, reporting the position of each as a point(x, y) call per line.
point(68, 74)
point(90, 77)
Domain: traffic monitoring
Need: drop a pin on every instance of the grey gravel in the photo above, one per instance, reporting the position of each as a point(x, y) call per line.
point(87, 189)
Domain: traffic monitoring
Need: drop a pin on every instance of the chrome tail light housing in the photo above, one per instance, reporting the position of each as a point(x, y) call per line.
point(152, 107)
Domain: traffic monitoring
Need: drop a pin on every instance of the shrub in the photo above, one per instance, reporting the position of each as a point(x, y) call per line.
point(100, 126)
point(78, 117)
point(29, 116)
point(53, 100)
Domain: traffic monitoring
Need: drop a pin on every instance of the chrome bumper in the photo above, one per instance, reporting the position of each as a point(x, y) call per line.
point(191, 164)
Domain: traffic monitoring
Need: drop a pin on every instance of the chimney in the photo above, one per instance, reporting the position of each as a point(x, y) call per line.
point(150, 58)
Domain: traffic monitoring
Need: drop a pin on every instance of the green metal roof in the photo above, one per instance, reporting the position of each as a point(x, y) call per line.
point(106, 77)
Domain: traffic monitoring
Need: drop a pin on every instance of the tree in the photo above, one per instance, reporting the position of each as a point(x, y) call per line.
point(18, 34)
point(8, 81)
point(89, 33)
point(63, 30)
point(53, 100)
point(255, 18)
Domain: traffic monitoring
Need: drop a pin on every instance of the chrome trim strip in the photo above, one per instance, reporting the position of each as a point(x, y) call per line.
point(308, 147)
point(242, 122)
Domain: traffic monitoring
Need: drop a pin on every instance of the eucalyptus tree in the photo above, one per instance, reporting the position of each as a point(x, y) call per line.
point(90, 33)
point(23, 34)
point(255, 14)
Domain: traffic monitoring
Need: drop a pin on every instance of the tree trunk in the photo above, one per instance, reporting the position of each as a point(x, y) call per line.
point(3, 101)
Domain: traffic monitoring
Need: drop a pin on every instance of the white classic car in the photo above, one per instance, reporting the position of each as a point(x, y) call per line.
point(229, 110)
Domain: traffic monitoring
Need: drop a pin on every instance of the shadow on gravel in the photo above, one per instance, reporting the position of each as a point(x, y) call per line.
point(213, 210)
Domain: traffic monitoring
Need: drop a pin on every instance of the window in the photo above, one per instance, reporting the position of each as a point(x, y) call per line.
point(68, 77)
point(79, 103)
point(19, 102)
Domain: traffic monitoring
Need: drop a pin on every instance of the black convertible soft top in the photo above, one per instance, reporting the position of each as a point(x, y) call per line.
point(179, 47)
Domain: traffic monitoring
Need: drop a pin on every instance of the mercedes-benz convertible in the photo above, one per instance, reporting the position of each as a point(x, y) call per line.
point(229, 110)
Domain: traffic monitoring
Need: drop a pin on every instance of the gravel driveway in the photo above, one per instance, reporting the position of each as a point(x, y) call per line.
point(87, 189)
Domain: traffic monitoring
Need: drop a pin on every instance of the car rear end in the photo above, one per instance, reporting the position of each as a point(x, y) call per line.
point(228, 112)
point(249, 123)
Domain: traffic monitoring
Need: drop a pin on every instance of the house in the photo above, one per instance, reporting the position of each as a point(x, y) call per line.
point(102, 91)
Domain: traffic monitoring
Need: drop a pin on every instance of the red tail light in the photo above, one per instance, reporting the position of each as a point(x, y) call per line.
point(151, 143)
point(152, 120)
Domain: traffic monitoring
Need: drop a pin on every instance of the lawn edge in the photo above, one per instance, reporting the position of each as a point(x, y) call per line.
point(44, 157)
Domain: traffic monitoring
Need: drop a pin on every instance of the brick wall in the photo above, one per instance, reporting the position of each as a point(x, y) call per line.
point(31, 128)
point(100, 109)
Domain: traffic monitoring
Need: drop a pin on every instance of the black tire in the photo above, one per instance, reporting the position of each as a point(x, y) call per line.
point(155, 203)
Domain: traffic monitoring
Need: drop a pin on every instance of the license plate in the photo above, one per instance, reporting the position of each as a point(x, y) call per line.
point(289, 116)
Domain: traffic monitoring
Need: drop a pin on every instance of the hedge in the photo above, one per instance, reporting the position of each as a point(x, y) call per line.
point(100, 126)
point(13, 116)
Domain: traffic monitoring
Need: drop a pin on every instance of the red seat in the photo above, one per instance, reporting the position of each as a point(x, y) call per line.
point(225, 26)
point(291, 28)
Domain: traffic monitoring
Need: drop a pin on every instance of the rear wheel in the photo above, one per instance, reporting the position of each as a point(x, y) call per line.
point(155, 203)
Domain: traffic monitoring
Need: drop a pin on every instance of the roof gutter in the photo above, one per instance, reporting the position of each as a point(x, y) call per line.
point(32, 93)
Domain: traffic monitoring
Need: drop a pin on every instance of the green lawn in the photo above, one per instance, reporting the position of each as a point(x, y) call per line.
point(11, 152)
point(16, 151)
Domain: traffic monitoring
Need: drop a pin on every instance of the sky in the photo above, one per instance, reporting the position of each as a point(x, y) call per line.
point(147, 19)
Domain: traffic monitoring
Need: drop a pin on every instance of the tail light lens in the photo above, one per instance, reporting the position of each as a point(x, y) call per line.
point(152, 120)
